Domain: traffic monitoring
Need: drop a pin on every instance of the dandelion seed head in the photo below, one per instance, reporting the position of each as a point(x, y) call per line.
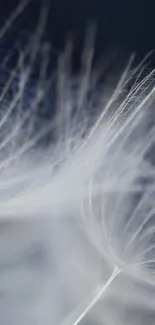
point(72, 149)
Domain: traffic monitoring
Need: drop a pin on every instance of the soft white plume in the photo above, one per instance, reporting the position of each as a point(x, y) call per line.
point(77, 192)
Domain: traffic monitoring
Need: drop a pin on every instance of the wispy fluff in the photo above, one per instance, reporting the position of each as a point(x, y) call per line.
point(77, 222)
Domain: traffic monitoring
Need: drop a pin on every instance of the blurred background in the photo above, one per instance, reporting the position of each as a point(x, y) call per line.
point(127, 25)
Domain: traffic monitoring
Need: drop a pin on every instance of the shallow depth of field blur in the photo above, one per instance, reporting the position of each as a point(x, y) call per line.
point(49, 268)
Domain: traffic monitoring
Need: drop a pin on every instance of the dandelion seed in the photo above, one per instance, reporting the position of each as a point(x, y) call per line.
point(98, 170)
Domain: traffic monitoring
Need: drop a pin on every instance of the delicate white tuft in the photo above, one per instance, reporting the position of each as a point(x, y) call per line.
point(72, 165)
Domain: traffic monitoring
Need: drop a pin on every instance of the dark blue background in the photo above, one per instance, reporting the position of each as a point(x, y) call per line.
point(128, 24)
